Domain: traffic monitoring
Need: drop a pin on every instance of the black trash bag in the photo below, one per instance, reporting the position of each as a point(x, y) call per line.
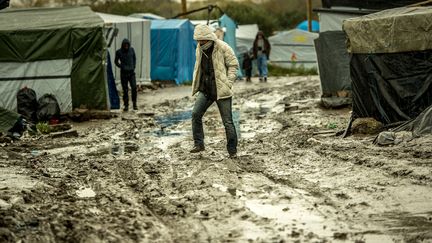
point(48, 108)
point(27, 104)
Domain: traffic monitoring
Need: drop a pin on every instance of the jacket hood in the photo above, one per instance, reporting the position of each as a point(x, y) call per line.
point(203, 32)
point(125, 41)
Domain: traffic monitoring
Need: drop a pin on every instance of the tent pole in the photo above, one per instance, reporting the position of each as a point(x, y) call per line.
point(309, 14)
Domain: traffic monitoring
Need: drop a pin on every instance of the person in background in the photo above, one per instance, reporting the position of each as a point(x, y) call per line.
point(261, 51)
point(215, 71)
point(125, 59)
point(247, 65)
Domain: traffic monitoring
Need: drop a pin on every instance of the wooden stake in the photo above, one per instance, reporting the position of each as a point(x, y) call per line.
point(309, 14)
point(184, 6)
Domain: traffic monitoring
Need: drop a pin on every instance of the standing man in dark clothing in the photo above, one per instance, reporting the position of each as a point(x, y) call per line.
point(125, 59)
point(215, 71)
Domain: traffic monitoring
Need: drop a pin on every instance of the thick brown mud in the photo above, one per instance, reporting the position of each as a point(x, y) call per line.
point(132, 179)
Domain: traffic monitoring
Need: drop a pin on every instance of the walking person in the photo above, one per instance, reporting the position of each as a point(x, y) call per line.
point(214, 75)
point(247, 65)
point(125, 59)
point(261, 50)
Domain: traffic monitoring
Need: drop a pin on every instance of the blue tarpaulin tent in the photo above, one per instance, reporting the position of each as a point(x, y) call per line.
point(304, 26)
point(230, 34)
point(172, 50)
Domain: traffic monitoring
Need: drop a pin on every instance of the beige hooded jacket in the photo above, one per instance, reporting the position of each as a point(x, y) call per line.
point(225, 63)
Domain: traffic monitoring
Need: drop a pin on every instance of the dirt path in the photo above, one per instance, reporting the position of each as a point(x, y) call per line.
point(131, 179)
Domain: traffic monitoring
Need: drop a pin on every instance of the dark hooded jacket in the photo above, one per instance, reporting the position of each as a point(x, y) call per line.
point(125, 59)
point(267, 45)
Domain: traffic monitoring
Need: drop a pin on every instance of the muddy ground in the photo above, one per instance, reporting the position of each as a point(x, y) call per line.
point(131, 179)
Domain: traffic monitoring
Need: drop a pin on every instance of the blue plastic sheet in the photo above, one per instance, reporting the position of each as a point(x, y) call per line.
point(230, 35)
point(172, 50)
point(304, 26)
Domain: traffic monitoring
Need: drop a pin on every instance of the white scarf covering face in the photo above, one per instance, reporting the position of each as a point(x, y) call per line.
point(206, 46)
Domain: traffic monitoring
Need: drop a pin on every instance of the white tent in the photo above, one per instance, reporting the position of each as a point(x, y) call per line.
point(293, 47)
point(148, 16)
point(245, 36)
point(138, 32)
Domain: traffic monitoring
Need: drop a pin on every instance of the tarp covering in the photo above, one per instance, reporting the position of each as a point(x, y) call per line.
point(7, 119)
point(293, 47)
point(333, 62)
point(391, 87)
point(304, 25)
point(137, 31)
point(41, 34)
point(112, 89)
point(391, 31)
point(173, 50)
point(421, 125)
point(245, 36)
point(332, 21)
point(230, 35)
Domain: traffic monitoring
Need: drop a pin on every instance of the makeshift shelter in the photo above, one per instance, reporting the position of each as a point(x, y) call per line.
point(245, 36)
point(53, 50)
point(332, 55)
point(148, 16)
point(138, 32)
point(391, 73)
point(173, 50)
point(293, 48)
point(230, 27)
point(304, 25)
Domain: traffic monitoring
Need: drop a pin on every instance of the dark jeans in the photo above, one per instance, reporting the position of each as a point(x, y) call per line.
point(128, 78)
point(225, 109)
point(248, 73)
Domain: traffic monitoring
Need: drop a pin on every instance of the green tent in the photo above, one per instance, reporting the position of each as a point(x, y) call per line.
point(61, 51)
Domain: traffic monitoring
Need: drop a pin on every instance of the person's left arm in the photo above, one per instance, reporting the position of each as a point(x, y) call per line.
point(134, 58)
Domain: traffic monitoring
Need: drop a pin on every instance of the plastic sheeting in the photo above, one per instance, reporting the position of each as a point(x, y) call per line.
point(369, 4)
point(391, 31)
point(332, 21)
point(304, 25)
point(230, 35)
point(7, 119)
point(391, 87)
point(245, 36)
point(293, 47)
point(137, 31)
point(173, 50)
point(112, 89)
point(33, 35)
point(44, 77)
point(421, 125)
point(333, 62)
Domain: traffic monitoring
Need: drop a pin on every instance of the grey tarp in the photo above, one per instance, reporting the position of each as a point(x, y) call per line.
point(7, 119)
point(333, 62)
point(421, 125)
point(391, 31)
point(33, 37)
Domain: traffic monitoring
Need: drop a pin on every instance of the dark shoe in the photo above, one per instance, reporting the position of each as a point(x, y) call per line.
point(233, 155)
point(260, 79)
point(265, 79)
point(126, 108)
point(197, 149)
point(135, 107)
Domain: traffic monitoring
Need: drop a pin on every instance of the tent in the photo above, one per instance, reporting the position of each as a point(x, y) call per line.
point(138, 32)
point(53, 50)
point(148, 16)
point(391, 73)
point(230, 27)
point(173, 50)
point(305, 26)
point(332, 55)
point(245, 36)
point(293, 48)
